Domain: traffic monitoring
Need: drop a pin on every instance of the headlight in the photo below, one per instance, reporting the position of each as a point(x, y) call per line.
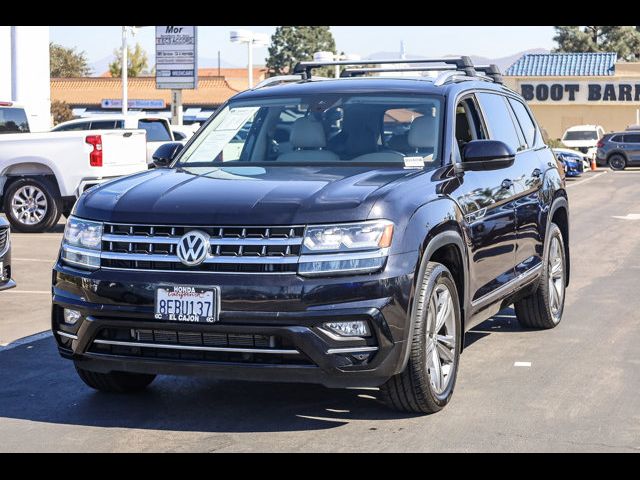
point(82, 243)
point(349, 248)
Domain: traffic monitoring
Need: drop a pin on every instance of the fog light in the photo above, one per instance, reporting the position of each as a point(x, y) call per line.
point(357, 328)
point(71, 316)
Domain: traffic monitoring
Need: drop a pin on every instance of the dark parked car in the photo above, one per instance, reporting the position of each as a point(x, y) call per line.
point(5, 256)
point(619, 150)
point(402, 212)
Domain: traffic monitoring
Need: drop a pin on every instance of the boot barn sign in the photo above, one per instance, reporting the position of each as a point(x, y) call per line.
point(580, 92)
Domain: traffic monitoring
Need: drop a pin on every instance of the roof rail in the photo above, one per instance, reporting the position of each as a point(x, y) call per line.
point(459, 64)
point(278, 79)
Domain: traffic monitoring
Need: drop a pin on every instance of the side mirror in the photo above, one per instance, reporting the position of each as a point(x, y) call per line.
point(165, 154)
point(487, 155)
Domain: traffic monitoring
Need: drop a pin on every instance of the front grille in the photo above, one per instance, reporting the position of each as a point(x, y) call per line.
point(232, 249)
point(4, 238)
point(214, 347)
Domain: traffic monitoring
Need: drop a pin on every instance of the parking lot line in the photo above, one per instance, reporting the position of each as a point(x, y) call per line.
point(33, 260)
point(586, 179)
point(9, 292)
point(521, 364)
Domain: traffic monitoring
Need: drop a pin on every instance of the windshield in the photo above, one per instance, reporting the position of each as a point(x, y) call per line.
point(320, 129)
point(581, 135)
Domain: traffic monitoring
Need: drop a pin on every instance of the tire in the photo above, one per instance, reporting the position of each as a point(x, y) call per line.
point(46, 208)
point(539, 310)
point(415, 389)
point(115, 382)
point(617, 162)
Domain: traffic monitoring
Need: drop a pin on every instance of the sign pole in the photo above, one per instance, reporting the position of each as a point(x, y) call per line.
point(176, 107)
point(125, 72)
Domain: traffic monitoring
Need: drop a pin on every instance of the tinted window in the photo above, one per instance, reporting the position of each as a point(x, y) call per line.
point(119, 123)
point(617, 138)
point(13, 120)
point(102, 125)
point(156, 130)
point(524, 119)
point(498, 119)
point(72, 127)
point(581, 135)
point(632, 138)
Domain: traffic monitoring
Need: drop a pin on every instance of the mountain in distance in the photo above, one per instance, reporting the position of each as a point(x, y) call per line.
point(102, 65)
point(502, 62)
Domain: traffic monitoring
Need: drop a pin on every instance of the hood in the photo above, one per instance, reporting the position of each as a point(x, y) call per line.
point(241, 195)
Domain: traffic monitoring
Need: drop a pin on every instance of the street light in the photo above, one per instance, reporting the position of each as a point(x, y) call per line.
point(332, 57)
point(252, 39)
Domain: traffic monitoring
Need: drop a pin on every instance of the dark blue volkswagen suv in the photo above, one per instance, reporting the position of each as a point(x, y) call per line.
point(350, 237)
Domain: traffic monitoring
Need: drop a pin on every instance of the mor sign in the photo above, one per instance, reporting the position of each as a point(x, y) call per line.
point(176, 57)
point(550, 92)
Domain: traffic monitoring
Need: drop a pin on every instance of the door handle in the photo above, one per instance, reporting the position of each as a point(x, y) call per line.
point(506, 184)
point(536, 173)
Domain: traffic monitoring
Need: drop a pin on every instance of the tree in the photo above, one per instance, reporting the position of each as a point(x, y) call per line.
point(290, 45)
point(66, 62)
point(137, 62)
point(61, 112)
point(623, 40)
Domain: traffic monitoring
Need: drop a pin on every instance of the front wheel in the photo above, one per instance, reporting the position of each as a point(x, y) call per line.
point(617, 162)
point(543, 308)
point(427, 382)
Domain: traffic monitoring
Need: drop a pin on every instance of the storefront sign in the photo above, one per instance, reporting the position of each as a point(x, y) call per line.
point(580, 92)
point(116, 103)
point(176, 57)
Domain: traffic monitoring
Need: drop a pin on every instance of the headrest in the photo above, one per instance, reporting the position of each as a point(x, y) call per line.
point(307, 132)
point(422, 133)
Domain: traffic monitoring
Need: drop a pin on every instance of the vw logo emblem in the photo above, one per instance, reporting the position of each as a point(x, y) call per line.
point(193, 248)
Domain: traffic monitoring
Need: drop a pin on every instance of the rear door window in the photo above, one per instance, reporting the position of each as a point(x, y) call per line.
point(499, 120)
point(156, 130)
point(103, 125)
point(13, 120)
point(632, 138)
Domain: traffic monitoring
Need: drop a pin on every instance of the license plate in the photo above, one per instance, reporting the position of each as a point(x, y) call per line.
point(187, 304)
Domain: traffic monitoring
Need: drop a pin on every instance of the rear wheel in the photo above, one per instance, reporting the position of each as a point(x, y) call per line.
point(32, 204)
point(115, 382)
point(617, 162)
point(543, 308)
point(427, 382)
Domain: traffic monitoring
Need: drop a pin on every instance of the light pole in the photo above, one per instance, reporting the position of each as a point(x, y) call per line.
point(333, 57)
point(125, 68)
point(252, 39)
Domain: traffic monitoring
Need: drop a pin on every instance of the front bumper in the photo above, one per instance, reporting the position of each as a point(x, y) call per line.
point(118, 332)
point(5, 270)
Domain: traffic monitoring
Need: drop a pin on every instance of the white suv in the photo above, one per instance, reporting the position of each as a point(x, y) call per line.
point(583, 138)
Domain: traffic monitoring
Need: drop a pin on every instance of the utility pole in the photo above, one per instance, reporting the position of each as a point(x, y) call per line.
point(125, 73)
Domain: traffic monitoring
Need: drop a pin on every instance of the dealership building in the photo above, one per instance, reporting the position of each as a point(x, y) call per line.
point(567, 89)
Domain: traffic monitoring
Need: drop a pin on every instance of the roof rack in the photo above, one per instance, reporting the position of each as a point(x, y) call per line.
point(462, 64)
point(278, 79)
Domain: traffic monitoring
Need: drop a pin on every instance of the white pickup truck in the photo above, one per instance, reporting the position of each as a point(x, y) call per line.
point(42, 174)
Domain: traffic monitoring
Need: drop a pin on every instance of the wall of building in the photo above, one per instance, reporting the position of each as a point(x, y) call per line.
point(24, 72)
point(562, 102)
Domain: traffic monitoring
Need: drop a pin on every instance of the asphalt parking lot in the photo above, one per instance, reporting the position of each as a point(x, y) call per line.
point(574, 388)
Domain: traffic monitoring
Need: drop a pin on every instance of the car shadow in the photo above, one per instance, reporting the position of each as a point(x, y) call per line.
point(503, 322)
point(37, 385)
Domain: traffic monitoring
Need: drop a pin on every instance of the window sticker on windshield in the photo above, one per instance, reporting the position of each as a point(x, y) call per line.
point(212, 145)
point(236, 118)
point(414, 162)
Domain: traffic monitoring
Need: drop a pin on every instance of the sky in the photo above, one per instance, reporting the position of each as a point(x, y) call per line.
point(487, 41)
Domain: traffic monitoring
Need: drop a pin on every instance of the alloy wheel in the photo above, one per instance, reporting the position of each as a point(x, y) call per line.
point(29, 205)
point(441, 339)
point(556, 278)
